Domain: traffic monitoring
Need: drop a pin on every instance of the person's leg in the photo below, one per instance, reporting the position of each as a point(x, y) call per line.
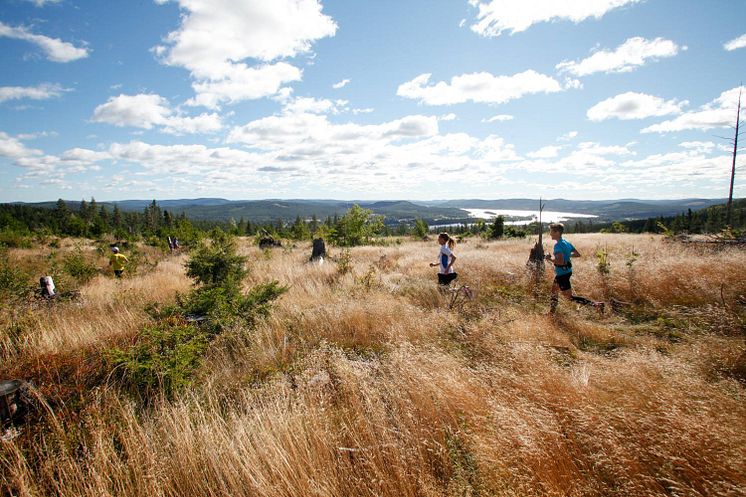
point(554, 300)
point(581, 300)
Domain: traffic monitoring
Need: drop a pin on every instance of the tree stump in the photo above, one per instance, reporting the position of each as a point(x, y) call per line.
point(268, 242)
point(319, 250)
point(11, 401)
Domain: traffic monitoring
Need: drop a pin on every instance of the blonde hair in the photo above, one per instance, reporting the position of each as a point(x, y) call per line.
point(449, 240)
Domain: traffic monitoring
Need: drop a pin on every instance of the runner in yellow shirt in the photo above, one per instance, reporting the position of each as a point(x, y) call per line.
point(116, 261)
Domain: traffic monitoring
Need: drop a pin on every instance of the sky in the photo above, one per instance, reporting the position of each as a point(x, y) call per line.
point(369, 99)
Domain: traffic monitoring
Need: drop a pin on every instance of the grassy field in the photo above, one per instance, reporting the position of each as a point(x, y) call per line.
point(366, 380)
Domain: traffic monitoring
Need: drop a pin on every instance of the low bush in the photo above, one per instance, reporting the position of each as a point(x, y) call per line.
point(163, 359)
point(79, 267)
point(167, 354)
point(14, 282)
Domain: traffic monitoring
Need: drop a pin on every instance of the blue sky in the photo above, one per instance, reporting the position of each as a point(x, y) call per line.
point(384, 99)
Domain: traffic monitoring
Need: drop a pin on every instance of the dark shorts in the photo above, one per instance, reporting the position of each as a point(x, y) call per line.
point(563, 281)
point(118, 272)
point(445, 279)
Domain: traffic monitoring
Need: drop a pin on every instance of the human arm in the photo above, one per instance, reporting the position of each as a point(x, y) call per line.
point(559, 258)
point(450, 264)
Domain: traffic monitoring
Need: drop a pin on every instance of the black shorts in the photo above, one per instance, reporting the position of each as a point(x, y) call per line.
point(445, 279)
point(118, 272)
point(563, 281)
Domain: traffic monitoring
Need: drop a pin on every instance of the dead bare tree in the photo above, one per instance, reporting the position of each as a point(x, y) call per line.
point(535, 263)
point(729, 208)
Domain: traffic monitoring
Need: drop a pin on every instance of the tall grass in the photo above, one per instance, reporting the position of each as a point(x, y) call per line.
point(366, 383)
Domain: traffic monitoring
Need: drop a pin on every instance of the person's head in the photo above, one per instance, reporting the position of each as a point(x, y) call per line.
point(444, 238)
point(115, 250)
point(556, 230)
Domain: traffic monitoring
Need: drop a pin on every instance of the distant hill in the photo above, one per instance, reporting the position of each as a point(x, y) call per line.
point(396, 211)
point(606, 210)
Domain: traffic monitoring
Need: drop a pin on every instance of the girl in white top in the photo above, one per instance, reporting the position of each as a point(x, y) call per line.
point(446, 273)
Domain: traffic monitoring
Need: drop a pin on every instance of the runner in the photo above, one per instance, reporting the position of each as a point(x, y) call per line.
point(446, 273)
point(117, 261)
point(563, 254)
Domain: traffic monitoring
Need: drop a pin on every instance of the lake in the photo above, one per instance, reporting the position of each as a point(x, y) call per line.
point(530, 215)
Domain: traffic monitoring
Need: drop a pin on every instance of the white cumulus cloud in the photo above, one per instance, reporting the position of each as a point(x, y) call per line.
point(633, 105)
point(341, 84)
point(481, 87)
point(242, 82)
point(633, 53)
point(498, 118)
point(720, 113)
point(40, 92)
point(147, 111)
point(55, 49)
point(736, 43)
point(13, 148)
point(231, 47)
point(496, 16)
point(547, 152)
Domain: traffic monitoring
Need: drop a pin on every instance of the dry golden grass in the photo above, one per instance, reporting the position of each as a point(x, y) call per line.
point(366, 383)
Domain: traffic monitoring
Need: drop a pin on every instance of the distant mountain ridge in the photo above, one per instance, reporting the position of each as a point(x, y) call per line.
point(395, 211)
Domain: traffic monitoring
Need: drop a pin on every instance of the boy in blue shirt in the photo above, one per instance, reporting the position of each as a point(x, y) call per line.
point(563, 253)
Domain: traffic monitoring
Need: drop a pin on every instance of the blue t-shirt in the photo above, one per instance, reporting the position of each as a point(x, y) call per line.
point(565, 248)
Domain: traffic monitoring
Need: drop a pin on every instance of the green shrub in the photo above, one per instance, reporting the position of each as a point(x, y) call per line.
point(356, 227)
point(76, 265)
point(14, 239)
point(164, 359)
point(217, 264)
point(168, 353)
point(14, 284)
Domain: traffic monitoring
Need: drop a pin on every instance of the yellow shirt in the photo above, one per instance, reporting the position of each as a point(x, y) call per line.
point(117, 261)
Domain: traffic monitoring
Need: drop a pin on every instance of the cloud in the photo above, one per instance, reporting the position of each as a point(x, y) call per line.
point(231, 47)
point(633, 105)
point(496, 16)
point(366, 110)
point(147, 111)
point(42, 3)
point(479, 87)
point(244, 83)
point(547, 152)
point(698, 145)
point(498, 118)
point(448, 117)
point(307, 131)
point(633, 53)
point(570, 135)
point(314, 106)
point(55, 49)
point(41, 92)
point(720, 113)
point(47, 167)
point(735, 43)
point(12, 148)
point(341, 84)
